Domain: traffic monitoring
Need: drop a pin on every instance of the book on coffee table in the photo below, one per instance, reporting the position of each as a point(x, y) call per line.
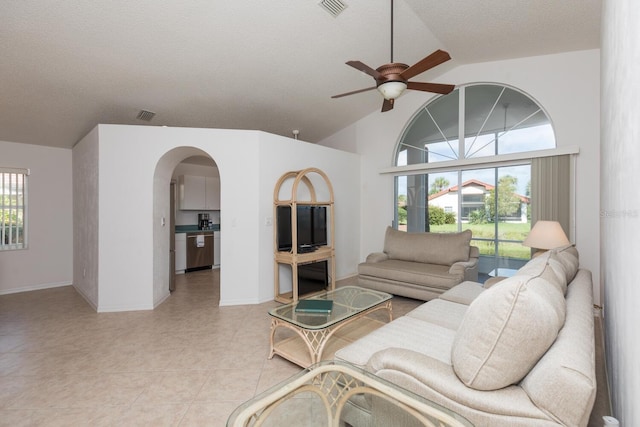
point(319, 306)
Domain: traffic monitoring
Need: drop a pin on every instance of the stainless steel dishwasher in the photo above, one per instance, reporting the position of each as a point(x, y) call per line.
point(199, 250)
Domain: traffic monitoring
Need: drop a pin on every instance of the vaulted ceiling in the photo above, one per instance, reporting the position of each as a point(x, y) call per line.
point(252, 64)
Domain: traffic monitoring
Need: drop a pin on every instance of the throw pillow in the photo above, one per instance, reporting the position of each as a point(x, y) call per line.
point(506, 330)
point(427, 248)
point(569, 258)
point(548, 266)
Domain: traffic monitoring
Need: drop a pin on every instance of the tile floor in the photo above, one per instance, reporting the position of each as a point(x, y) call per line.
point(187, 363)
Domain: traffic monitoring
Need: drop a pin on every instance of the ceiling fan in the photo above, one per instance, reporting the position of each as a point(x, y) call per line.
point(392, 79)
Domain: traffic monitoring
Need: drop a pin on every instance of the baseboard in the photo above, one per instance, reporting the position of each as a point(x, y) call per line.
point(232, 302)
point(161, 300)
point(85, 297)
point(602, 404)
point(348, 276)
point(119, 308)
point(34, 288)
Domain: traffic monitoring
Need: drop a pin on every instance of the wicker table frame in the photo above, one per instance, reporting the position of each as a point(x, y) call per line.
point(335, 384)
point(317, 339)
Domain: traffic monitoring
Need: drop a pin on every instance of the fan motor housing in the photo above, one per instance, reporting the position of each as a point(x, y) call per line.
point(391, 73)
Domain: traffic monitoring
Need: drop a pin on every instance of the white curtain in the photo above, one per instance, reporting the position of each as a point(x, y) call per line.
point(551, 190)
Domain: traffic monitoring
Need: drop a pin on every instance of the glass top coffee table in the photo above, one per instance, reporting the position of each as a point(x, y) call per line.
point(313, 337)
point(334, 393)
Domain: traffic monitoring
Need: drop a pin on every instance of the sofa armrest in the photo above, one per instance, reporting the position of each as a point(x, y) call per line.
point(436, 381)
point(467, 269)
point(377, 257)
point(492, 281)
point(474, 252)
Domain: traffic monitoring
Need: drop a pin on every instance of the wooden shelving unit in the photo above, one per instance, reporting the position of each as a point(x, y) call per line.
point(292, 257)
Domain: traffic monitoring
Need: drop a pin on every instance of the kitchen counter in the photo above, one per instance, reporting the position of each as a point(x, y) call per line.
point(195, 229)
point(182, 232)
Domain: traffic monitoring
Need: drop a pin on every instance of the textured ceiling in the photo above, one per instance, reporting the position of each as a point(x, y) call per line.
point(67, 66)
point(480, 31)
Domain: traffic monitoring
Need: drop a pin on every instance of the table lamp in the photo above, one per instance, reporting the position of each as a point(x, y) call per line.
point(546, 235)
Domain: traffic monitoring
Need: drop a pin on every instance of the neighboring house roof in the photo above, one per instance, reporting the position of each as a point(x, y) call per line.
point(477, 183)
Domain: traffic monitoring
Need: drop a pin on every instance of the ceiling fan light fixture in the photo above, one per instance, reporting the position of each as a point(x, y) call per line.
point(392, 90)
point(393, 79)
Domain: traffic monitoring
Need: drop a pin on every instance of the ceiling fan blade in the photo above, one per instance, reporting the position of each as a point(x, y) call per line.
point(436, 58)
point(364, 68)
point(387, 105)
point(431, 87)
point(353, 92)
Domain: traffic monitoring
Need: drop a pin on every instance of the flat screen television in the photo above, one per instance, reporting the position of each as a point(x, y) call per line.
point(313, 277)
point(311, 226)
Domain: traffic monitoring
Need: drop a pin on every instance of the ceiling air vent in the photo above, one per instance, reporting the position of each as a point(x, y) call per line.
point(334, 7)
point(145, 115)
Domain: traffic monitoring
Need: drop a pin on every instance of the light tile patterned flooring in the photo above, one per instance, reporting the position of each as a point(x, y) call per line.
point(186, 363)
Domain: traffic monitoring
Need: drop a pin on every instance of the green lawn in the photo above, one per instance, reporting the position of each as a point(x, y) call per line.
point(506, 231)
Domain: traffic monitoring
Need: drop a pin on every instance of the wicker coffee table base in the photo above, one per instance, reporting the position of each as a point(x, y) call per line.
point(309, 346)
point(332, 386)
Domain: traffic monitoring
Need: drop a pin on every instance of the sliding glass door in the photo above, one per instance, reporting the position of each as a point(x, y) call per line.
point(494, 203)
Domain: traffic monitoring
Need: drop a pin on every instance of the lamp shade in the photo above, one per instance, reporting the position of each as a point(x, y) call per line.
point(392, 90)
point(546, 235)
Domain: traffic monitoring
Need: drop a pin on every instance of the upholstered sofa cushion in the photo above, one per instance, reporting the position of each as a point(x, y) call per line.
point(427, 248)
point(496, 344)
point(464, 293)
point(562, 262)
point(548, 266)
point(404, 332)
point(569, 258)
point(440, 312)
point(431, 275)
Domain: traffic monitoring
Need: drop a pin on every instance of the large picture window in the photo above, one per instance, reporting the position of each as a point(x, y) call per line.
point(13, 189)
point(473, 125)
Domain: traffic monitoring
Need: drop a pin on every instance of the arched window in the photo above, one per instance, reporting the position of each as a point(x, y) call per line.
point(477, 181)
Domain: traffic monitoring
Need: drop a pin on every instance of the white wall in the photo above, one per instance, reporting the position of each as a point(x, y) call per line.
point(85, 217)
point(620, 213)
point(48, 260)
point(566, 85)
point(279, 155)
point(135, 162)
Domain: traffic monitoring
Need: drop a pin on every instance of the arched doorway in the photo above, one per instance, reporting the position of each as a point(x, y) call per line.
point(177, 162)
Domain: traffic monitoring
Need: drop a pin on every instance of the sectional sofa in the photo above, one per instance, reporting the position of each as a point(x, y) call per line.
point(518, 353)
point(420, 265)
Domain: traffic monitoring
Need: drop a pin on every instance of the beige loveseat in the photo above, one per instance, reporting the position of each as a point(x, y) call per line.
point(420, 265)
point(519, 353)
